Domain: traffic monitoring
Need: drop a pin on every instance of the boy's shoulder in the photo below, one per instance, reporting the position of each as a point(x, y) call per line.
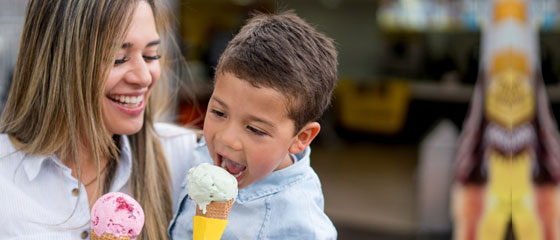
point(301, 193)
point(300, 208)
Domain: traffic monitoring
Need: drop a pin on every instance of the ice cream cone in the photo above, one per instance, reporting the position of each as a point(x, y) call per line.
point(116, 216)
point(211, 225)
point(213, 189)
point(107, 236)
point(216, 210)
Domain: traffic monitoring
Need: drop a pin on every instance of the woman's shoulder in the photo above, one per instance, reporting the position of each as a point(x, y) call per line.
point(176, 139)
point(170, 130)
point(6, 145)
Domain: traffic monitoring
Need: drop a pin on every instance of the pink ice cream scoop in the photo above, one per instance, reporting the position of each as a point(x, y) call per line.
point(118, 215)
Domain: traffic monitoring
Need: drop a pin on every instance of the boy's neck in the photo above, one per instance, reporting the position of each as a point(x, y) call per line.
point(288, 161)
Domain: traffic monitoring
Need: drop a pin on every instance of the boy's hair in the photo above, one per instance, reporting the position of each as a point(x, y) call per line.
point(283, 52)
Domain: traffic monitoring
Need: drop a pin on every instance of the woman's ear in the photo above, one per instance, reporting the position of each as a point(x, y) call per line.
point(304, 137)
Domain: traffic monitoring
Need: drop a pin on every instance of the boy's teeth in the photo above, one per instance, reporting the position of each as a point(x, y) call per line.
point(238, 174)
point(224, 166)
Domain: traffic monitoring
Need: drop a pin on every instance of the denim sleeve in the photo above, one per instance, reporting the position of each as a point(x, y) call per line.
point(181, 221)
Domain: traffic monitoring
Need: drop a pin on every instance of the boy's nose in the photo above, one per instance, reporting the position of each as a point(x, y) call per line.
point(229, 138)
point(139, 74)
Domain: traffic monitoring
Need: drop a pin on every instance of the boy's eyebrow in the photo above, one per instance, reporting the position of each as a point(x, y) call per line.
point(219, 101)
point(251, 117)
point(258, 119)
point(152, 43)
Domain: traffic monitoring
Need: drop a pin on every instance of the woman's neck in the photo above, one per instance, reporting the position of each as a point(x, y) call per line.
point(90, 173)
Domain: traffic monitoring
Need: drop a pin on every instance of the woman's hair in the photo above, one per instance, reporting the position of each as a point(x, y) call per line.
point(54, 105)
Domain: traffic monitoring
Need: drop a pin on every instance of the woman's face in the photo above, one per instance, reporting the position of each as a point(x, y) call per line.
point(135, 71)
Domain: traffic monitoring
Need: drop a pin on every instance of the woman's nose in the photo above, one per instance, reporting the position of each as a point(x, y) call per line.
point(139, 73)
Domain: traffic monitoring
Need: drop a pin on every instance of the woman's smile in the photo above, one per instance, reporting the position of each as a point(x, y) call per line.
point(131, 104)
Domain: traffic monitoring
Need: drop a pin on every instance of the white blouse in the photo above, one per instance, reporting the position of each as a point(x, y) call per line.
point(39, 198)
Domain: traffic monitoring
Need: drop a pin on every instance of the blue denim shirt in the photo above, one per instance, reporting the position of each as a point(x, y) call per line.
point(287, 204)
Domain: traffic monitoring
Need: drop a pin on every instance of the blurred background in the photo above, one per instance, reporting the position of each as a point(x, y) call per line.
point(385, 154)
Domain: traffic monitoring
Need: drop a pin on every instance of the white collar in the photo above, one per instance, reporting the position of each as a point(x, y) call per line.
point(33, 164)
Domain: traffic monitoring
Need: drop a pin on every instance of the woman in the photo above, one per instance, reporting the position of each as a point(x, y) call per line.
point(79, 120)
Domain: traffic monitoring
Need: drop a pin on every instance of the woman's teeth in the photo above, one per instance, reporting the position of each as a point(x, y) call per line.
point(127, 101)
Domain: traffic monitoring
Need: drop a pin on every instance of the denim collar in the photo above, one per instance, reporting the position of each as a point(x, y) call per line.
point(271, 184)
point(278, 180)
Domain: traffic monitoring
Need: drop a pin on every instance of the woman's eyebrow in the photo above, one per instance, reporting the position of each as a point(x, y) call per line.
point(152, 43)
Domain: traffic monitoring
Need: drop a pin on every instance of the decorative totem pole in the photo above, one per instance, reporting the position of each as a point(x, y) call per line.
point(508, 161)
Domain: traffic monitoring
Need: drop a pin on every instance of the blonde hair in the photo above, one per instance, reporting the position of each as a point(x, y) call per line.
point(54, 104)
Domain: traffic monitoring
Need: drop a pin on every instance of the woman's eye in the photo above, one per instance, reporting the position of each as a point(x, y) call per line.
point(121, 60)
point(152, 58)
point(217, 113)
point(256, 131)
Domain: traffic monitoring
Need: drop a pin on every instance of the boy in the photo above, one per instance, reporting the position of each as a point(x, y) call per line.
point(273, 82)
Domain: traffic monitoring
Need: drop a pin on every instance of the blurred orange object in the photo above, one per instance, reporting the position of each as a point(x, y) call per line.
point(191, 115)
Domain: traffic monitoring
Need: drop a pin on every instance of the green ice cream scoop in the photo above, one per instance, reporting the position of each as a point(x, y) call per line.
point(207, 183)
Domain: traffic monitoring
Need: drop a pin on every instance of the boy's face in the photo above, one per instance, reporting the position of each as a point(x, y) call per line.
point(247, 129)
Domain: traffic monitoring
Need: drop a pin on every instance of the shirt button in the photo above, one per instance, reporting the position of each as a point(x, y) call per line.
point(75, 191)
point(84, 235)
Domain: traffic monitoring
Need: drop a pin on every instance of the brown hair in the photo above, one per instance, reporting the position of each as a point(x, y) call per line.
point(283, 52)
point(54, 104)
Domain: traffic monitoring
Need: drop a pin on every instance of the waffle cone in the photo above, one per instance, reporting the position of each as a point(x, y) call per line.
point(107, 236)
point(216, 210)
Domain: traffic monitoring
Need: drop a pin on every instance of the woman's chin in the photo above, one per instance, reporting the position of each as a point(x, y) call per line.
point(126, 128)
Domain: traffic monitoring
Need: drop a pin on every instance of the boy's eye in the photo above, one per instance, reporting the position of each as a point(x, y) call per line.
point(121, 60)
point(152, 58)
point(256, 131)
point(217, 113)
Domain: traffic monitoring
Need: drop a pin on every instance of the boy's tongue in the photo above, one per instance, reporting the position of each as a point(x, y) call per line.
point(233, 167)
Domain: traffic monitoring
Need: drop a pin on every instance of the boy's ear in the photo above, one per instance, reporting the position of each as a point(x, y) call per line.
point(304, 137)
